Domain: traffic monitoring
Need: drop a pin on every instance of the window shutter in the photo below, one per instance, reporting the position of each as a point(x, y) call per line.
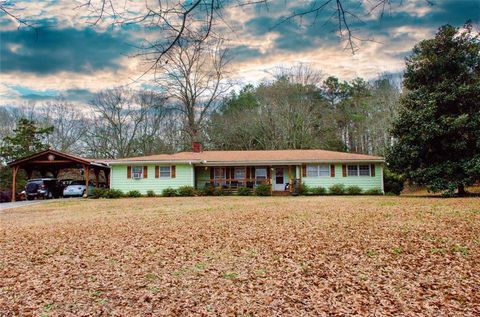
point(145, 172)
point(332, 170)
point(212, 172)
point(157, 171)
point(247, 172)
point(227, 173)
point(129, 172)
point(304, 170)
point(344, 170)
point(372, 170)
point(174, 171)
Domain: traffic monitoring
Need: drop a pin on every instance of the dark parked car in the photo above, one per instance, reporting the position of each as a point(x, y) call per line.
point(5, 196)
point(43, 188)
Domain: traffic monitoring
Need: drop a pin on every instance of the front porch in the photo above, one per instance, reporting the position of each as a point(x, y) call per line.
point(282, 179)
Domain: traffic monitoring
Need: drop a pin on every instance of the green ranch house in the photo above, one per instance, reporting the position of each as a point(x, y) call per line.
point(282, 169)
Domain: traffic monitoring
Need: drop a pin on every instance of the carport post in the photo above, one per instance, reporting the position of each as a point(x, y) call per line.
point(86, 172)
point(14, 182)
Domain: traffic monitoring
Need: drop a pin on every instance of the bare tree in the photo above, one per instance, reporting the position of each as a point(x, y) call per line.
point(195, 79)
point(177, 19)
point(119, 121)
point(69, 124)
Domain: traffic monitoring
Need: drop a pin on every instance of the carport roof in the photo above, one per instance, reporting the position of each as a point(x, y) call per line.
point(58, 157)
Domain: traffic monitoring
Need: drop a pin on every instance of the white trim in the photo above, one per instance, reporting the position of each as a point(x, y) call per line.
point(358, 170)
point(318, 170)
point(381, 175)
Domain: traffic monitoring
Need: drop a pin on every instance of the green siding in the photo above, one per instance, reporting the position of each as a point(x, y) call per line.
point(364, 182)
point(119, 180)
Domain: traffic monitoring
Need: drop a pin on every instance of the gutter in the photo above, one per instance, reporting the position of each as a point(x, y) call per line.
point(250, 163)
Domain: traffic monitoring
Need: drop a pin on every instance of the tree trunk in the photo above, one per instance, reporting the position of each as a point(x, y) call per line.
point(461, 191)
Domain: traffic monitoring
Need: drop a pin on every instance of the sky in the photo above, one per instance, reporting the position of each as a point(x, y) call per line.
point(66, 55)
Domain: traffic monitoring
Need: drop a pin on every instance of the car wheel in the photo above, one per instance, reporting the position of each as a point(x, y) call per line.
point(30, 197)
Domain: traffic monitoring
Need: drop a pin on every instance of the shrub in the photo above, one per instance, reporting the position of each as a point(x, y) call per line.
point(337, 189)
point(186, 191)
point(318, 190)
point(243, 191)
point(219, 191)
point(169, 192)
point(353, 190)
point(134, 194)
point(113, 193)
point(208, 191)
point(98, 193)
point(150, 193)
point(393, 183)
point(263, 190)
point(373, 191)
point(304, 189)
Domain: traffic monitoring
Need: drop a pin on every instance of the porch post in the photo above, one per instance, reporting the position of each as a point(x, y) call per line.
point(290, 181)
point(14, 182)
point(271, 178)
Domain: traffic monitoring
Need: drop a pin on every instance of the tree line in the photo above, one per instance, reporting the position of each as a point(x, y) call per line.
point(299, 109)
point(429, 131)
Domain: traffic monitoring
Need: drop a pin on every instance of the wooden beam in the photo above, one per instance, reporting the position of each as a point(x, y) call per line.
point(14, 182)
point(86, 173)
point(52, 162)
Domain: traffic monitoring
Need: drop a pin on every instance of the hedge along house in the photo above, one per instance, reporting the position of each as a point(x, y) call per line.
point(281, 169)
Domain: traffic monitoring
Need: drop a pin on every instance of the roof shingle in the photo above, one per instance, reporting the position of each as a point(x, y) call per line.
point(273, 156)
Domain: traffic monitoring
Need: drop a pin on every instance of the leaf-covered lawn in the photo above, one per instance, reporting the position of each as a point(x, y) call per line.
point(242, 256)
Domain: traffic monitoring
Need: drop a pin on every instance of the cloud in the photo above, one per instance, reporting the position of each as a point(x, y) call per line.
point(51, 50)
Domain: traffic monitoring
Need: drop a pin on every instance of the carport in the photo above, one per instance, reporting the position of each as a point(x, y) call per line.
point(53, 161)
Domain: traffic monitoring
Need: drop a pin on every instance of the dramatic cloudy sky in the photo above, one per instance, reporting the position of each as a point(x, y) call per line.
point(68, 56)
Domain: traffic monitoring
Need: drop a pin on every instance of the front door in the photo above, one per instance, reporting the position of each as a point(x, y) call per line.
point(279, 179)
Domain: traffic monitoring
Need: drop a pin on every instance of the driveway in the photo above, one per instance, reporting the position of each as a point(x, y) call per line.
point(17, 204)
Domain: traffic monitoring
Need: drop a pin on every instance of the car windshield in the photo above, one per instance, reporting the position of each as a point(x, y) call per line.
point(35, 182)
point(77, 183)
point(80, 183)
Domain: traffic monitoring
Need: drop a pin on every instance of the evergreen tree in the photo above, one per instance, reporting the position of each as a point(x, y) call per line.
point(27, 139)
point(437, 130)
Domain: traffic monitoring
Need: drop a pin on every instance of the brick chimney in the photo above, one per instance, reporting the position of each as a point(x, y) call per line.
point(196, 147)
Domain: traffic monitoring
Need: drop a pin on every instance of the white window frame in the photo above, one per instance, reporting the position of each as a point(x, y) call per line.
point(261, 177)
point(318, 170)
point(137, 172)
point(368, 169)
point(160, 171)
point(357, 166)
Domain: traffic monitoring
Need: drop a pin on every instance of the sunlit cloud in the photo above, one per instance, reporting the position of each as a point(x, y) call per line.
point(71, 57)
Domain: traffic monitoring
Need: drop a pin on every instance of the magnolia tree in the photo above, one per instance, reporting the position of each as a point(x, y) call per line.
point(437, 130)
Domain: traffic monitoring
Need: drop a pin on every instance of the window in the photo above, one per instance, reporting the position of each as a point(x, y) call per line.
point(239, 172)
point(165, 172)
point(358, 170)
point(137, 171)
point(318, 170)
point(260, 174)
point(364, 170)
point(219, 173)
point(352, 170)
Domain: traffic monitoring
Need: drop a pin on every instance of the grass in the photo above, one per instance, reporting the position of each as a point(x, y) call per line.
point(258, 256)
